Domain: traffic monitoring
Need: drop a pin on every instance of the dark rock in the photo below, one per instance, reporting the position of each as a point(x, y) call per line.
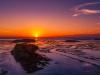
point(23, 40)
point(97, 39)
point(72, 41)
point(3, 72)
point(26, 55)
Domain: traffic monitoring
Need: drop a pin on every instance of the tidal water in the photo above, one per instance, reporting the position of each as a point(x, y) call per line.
point(57, 51)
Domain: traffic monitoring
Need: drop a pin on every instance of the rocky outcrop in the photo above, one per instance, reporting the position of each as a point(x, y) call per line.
point(97, 39)
point(3, 72)
point(26, 55)
point(72, 40)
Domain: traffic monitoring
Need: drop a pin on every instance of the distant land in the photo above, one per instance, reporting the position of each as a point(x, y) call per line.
point(80, 37)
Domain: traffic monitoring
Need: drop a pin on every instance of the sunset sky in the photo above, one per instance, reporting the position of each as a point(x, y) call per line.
point(27, 18)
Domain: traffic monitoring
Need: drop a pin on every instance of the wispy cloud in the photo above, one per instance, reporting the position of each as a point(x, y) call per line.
point(80, 9)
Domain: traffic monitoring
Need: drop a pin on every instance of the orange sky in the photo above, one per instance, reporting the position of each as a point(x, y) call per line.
point(45, 26)
point(46, 18)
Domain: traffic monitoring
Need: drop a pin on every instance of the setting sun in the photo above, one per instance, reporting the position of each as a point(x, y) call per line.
point(36, 34)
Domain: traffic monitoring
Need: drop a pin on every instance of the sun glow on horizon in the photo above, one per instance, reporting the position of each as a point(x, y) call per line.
point(36, 34)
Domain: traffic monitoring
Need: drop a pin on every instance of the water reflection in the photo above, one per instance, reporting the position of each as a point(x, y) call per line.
point(26, 55)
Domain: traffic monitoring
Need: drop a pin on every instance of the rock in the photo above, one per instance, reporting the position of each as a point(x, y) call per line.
point(72, 41)
point(23, 40)
point(26, 55)
point(3, 72)
point(97, 39)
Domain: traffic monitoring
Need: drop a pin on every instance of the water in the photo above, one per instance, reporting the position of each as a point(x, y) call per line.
point(60, 64)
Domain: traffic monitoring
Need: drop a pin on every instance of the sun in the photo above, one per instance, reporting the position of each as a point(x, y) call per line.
point(36, 35)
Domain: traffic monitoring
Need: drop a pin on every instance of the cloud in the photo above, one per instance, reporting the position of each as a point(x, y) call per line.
point(80, 9)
